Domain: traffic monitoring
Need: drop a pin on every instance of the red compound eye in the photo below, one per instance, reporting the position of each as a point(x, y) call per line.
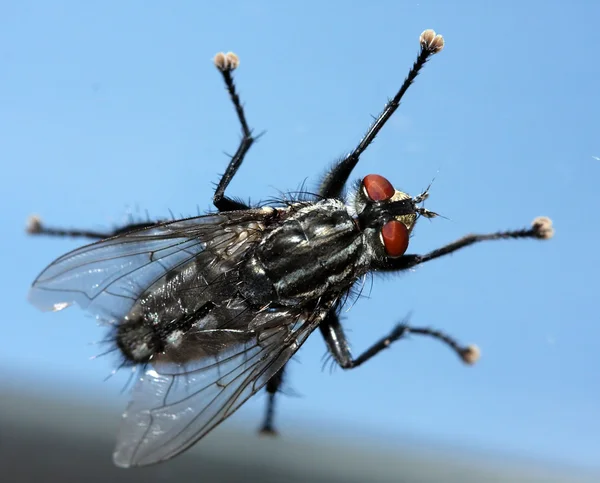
point(395, 238)
point(378, 188)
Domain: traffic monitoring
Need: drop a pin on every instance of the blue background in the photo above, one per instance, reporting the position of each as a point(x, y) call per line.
point(116, 109)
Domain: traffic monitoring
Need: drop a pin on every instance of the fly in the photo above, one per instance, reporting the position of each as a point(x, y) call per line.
point(211, 308)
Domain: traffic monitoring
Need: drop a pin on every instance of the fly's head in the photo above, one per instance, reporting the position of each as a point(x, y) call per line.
point(386, 215)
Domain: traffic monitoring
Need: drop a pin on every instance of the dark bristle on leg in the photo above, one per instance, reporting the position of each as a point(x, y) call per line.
point(273, 387)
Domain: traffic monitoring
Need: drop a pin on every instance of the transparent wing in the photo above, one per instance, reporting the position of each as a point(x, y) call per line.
point(174, 406)
point(108, 276)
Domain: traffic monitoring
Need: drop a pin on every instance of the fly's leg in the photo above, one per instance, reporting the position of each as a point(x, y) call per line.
point(36, 227)
point(226, 64)
point(337, 343)
point(541, 229)
point(273, 388)
point(334, 181)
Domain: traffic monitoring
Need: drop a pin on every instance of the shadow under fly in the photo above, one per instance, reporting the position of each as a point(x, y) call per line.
point(211, 308)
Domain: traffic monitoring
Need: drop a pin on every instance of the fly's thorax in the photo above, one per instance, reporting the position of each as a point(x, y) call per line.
point(314, 250)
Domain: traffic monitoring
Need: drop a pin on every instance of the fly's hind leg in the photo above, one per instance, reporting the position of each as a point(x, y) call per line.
point(226, 64)
point(35, 226)
point(273, 388)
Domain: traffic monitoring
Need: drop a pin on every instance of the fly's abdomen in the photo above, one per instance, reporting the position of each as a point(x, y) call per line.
point(316, 250)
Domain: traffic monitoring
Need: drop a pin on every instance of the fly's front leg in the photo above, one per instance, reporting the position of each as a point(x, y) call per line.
point(226, 64)
point(337, 343)
point(334, 181)
point(35, 226)
point(541, 229)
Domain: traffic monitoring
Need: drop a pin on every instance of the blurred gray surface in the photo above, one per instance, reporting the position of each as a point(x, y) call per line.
point(42, 440)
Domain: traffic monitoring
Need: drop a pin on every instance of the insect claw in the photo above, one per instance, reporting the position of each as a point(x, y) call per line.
point(470, 354)
point(431, 42)
point(542, 226)
point(226, 62)
point(268, 431)
point(34, 225)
